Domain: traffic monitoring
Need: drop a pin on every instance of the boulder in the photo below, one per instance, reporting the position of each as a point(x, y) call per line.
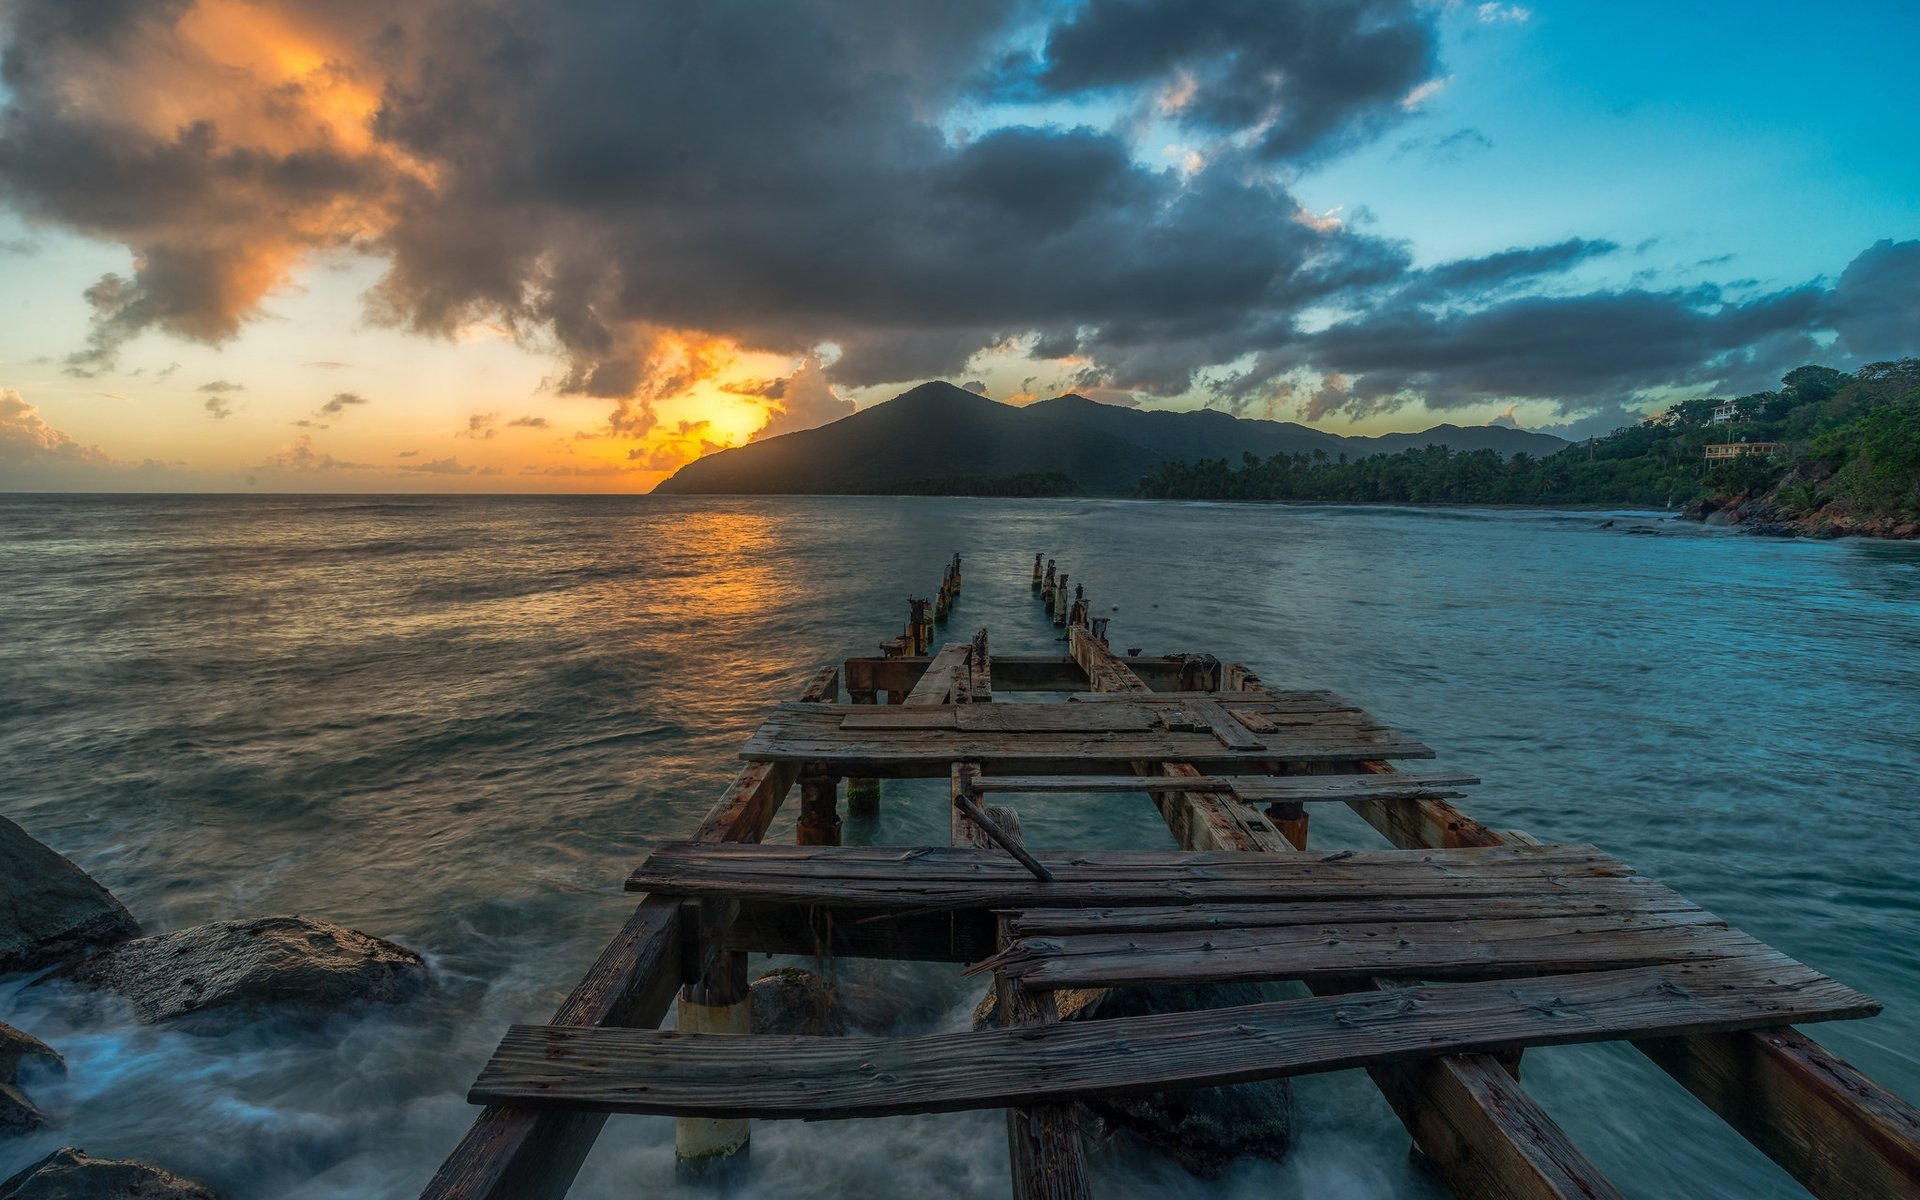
point(1203, 1129)
point(54, 910)
point(795, 1000)
point(68, 1174)
point(230, 971)
point(22, 1053)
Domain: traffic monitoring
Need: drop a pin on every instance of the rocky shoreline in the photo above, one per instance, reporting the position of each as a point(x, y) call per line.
point(86, 950)
point(1758, 516)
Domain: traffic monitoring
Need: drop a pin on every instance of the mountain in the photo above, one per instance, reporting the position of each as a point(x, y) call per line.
point(940, 434)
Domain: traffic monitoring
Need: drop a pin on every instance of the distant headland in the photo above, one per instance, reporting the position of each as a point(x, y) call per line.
point(1826, 454)
point(938, 439)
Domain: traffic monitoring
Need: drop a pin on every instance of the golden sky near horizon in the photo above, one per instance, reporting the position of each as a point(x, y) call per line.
point(287, 245)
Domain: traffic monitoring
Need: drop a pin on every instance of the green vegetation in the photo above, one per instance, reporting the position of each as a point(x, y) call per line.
point(1850, 443)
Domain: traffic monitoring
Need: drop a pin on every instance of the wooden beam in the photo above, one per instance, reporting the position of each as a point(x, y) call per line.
point(1012, 673)
point(1838, 1132)
point(1261, 789)
point(520, 1154)
point(1044, 1146)
point(936, 685)
point(1467, 949)
point(645, 1071)
point(1484, 1135)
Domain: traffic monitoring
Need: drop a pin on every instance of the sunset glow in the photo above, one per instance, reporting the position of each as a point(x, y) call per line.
point(274, 245)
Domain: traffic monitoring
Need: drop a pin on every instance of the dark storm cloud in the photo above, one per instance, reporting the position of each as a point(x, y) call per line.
point(1578, 350)
point(1875, 307)
point(1470, 276)
point(648, 186)
point(1299, 76)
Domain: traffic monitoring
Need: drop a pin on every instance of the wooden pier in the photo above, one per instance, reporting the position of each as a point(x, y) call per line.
point(1432, 965)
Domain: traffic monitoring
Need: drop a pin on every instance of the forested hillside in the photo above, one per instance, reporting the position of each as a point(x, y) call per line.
point(1850, 448)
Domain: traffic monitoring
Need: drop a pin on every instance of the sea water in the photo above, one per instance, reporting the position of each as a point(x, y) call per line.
point(459, 722)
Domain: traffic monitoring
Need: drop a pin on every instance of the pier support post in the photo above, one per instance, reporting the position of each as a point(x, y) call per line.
point(863, 794)
point(1038, 571)
point(709, 1149)
point(819, 808)
point(1290, 818)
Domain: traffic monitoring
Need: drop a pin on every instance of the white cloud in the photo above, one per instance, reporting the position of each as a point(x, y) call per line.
point(1420, 95)
point(1490, 14)
point(27, 441)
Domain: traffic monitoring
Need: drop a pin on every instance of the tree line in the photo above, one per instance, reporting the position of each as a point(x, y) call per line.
point(1851, 439)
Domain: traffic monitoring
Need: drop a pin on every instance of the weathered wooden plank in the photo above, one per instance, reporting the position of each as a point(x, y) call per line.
point(794, 735)
point(1231, 733)
point(1262, 789)
point(1037, 784)
point(1260, 700)
point(927, 879)
point(1476, 1126)
point(518, 1154)
point(1638, 895)
point(1467, 949)
point(909, 866)
point(927, 714)
point(1491, 1140)
point(936, 685)
point(980, 671)
point(618, 1070)
point(1396, 787)
point(1012, 672)
point(1054, 718)
point(1838, 1132)
point(1044, 1147)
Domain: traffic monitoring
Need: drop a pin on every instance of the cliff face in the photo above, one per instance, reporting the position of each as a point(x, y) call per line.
point(940, 432)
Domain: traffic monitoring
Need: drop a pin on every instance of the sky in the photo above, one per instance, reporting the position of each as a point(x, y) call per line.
point(570, 245)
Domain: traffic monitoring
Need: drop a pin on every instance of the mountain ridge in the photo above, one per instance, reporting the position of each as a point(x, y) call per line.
point(937, 431)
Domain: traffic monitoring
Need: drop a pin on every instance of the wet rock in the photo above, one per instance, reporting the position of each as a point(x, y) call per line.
point(1203, 1129)
point(54, 910)
point(22, 1054)
point(795, 1000)
point(68, 1174)
point(1068, 1004)
point(220, 974)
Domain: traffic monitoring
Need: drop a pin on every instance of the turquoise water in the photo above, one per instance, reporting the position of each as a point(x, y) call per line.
point(458, 723)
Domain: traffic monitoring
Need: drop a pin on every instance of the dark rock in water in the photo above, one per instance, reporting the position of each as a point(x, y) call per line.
point(1203, 1129)
point(54, 910)
point(795, 1000)
point(68, 1174)
point(22, 1053)
point(228, 971)
point(1068, 1003)
point(1773, 529)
